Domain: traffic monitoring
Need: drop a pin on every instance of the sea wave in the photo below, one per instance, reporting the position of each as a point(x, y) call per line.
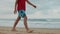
point(44, 20)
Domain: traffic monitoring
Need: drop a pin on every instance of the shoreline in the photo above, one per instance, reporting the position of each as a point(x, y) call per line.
point(7, 30)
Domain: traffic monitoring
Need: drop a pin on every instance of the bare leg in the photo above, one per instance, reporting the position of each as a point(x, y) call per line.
point(26, 26)
point(16, 22)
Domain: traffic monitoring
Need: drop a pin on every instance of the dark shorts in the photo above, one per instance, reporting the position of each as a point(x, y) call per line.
point(21, 13)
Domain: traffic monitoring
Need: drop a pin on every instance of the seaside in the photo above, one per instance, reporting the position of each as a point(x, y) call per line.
point(45, 19)
point(7, 30)
point(38, 27)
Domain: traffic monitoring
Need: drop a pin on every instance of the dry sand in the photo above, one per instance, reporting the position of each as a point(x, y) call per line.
point(7, 30)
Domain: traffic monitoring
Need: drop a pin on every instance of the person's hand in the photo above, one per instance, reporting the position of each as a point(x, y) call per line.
point(34, 6)
point(15, 11)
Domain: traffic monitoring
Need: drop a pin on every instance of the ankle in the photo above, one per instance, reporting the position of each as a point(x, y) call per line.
point(27, 29)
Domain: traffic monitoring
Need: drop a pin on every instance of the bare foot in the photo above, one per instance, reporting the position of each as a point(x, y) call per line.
point(29, 31)
point(13, 30)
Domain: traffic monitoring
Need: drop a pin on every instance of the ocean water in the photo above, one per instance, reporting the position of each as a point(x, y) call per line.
point(32, 23)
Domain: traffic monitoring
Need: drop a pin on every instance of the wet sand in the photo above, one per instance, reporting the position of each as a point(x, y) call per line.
point(7, 30)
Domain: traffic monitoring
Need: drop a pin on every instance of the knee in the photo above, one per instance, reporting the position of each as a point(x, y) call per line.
point(25, 17)
point(19, 17)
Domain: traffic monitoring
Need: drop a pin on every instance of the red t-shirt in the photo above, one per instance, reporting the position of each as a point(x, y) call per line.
point(21, 5)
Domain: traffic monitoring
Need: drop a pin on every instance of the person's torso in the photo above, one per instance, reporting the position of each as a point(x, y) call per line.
point(21, 5)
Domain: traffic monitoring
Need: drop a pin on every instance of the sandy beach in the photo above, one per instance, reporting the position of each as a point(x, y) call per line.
point(7, 30)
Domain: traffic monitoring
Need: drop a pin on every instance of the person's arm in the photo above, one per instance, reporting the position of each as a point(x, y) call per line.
point(31, 3)
point(15, 8)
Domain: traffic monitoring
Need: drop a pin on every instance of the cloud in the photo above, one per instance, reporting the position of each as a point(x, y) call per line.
point(52, 13)
point(8, 16)
point(36, 15)
point(45, 9)
point(6, 6)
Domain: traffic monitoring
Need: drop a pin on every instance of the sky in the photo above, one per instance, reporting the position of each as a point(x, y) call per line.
point(45, 9)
